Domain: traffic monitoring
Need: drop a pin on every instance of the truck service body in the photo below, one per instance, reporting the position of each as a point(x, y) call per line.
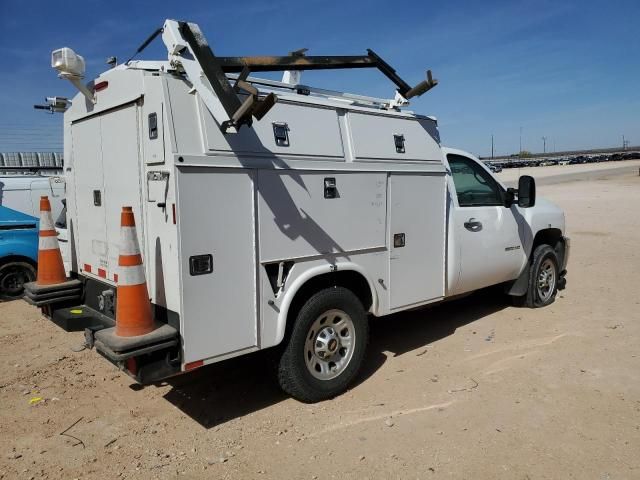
point(247, 230)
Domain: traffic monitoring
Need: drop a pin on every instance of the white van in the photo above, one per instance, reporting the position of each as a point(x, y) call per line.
point(22, 192)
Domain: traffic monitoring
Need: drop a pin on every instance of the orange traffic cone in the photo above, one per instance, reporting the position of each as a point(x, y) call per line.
point(50, 266)
point(133, 309)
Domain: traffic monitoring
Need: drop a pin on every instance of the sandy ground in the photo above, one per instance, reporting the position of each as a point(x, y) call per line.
point(471, 389)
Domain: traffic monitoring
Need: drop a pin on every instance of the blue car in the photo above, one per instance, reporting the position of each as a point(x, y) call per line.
point(18, 251)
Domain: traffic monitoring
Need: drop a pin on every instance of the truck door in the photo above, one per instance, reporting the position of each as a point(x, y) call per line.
point(485, 233)
point(217, 238)
point(107, 177)
point(91, 220)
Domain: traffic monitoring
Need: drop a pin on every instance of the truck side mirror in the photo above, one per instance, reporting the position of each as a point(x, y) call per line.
point(526, 191)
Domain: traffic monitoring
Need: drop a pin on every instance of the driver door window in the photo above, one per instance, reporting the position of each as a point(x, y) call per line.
point(474, 186)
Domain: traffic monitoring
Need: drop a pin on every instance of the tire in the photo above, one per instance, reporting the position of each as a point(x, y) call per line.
point(322, 357)
point(544, 259)
point(13, 276)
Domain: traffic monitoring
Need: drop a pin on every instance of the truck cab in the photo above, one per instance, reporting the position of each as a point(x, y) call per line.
point(491, 237)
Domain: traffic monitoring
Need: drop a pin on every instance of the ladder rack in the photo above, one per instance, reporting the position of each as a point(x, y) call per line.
point(189, 52)
point(382, 103)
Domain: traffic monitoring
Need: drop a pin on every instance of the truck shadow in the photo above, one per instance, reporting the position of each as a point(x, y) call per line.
point(218, 393)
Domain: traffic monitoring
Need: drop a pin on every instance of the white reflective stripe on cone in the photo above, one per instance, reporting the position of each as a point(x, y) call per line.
point(128, 241)
point(46, 221)
point(133, 275)
point(48, 243)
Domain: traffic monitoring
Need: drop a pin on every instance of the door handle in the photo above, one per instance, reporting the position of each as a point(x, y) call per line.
point(473, 225)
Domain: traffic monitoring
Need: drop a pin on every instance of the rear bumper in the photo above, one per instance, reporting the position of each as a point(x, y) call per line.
point(146, 358)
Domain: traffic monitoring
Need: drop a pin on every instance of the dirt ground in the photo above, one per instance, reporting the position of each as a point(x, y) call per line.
point(471, 389)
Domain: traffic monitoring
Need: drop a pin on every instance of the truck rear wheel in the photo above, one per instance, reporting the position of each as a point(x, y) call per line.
point(543, 279)
point(326, 347)
point(13, 276)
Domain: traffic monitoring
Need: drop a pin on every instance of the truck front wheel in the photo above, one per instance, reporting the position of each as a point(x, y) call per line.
point(543, 279)
point(326, 346)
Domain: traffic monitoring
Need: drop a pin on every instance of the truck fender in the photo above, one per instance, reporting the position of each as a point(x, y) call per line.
point(307, 275)
point(24, 248)
point(549, 236)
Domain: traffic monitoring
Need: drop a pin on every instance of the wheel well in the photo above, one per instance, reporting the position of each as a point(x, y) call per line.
point(552, 237)
point(17, 258)
point(348, 279)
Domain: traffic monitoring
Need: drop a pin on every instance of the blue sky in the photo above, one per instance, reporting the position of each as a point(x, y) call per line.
point(567, 70)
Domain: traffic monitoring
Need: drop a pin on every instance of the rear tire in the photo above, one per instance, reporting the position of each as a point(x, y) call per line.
point(326, 346)
point(543, 279)
point(13, 276)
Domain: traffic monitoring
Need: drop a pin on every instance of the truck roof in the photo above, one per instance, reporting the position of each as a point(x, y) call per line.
point(224, 85)
point(300, 93)
point(21, 181)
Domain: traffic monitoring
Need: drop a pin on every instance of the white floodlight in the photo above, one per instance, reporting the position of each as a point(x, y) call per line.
point(67, 62)
point(71, 67)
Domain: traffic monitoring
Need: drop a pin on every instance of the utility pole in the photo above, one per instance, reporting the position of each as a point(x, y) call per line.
point(520, 152)
point(544, 144)
point(492, 146)
point(625, 143)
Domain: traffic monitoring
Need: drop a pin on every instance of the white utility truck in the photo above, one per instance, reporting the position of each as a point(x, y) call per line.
point(276, 214)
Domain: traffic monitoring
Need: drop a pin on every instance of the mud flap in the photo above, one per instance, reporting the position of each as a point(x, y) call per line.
point(520, 286)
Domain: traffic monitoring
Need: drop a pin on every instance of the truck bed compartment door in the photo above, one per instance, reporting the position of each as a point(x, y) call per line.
point(216, 231)
point(122, 183)
point(107, 177)
point(416, 238)
point(89, 180)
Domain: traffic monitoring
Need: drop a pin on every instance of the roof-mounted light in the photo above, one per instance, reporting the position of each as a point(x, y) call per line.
point(70, 66)
point(67, 62)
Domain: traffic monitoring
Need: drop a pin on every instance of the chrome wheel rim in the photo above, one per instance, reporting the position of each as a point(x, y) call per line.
point(329, 345)
point(546, 279)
